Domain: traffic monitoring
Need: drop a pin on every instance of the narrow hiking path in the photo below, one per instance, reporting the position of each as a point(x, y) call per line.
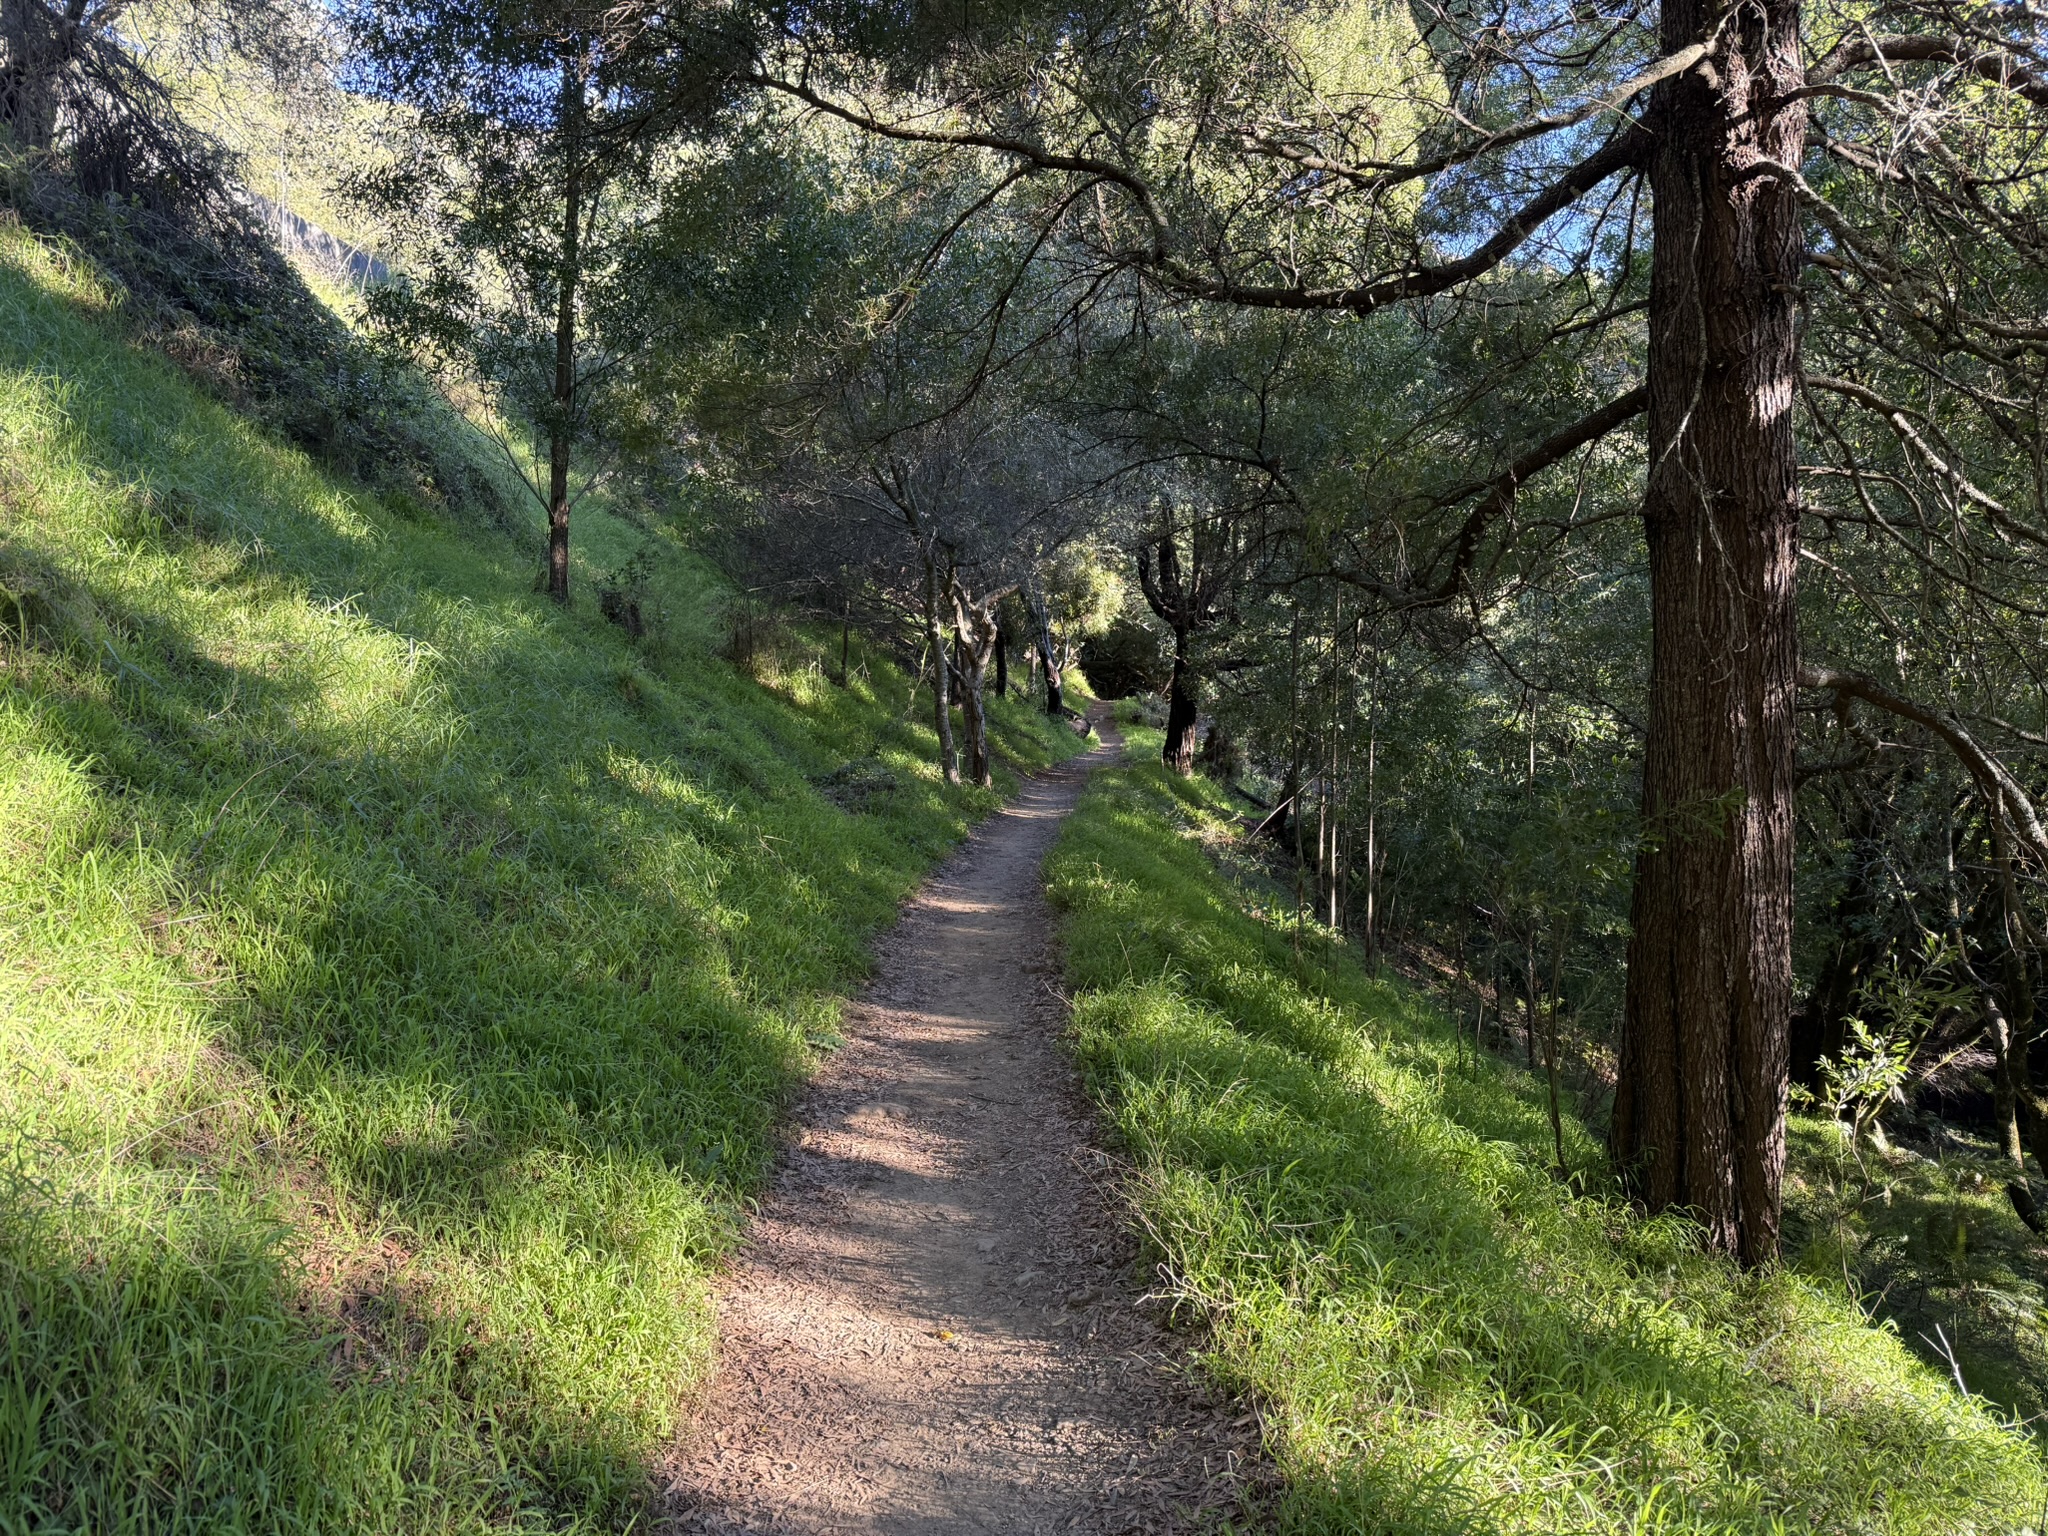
point(936, 1325)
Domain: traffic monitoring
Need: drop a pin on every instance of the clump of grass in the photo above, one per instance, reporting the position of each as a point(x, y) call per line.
point(399, 976)
point(1440, 1335)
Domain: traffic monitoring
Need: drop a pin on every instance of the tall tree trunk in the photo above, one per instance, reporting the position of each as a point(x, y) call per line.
point(2008, 1072)
point(1002, 663)
point(560, 434)
point(1179, 751)
point(1552, 1024)
point(935, 642)
point(1372, 831)
point(1530, 1001)
point(1699, 1115)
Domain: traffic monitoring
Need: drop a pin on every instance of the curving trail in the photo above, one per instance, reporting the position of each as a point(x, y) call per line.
point(935, 1326)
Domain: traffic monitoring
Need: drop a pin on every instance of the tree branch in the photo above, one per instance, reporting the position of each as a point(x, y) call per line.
point(2002, 790)
point(1992, 64)
point(1374, 174)
point(1625, 151)
point(1036, 156)
point(1498, 495)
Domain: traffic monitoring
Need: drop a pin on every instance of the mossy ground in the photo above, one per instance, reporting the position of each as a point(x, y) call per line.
point(1363, 1222)
point(399, 976)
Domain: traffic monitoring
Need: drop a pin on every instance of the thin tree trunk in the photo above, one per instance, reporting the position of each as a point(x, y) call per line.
point(1550, 1043)
point(1529, 1000)
point(560, 434)
point(935, 638)
point(1699, 1115)
point(1002, 663)
point(1333, 890)
point(2007, 1070)
point(2025, 1064)
point(1042, 644)
point(974, 630)
point(1372, 831)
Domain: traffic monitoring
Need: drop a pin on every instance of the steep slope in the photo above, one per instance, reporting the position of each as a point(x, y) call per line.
point(1440, 1337)
point(399, 977)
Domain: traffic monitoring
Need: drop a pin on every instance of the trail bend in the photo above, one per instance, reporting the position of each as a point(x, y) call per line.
point(936, 1324)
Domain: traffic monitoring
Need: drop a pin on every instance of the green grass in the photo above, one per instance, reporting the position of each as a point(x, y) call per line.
point(1440, 1337)
point(1933, 1239)
point(399, 977)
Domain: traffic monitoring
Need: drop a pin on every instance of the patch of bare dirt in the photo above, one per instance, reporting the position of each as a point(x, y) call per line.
point(938, 1323)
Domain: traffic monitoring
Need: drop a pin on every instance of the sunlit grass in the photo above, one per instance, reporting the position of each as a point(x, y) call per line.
point(1364, 1225)
point(399, 977)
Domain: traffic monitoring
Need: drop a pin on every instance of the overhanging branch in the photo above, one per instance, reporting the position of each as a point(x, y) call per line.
point(2004, 796)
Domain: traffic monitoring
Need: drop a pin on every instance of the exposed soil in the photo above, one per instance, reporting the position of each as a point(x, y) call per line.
point(938, 1323)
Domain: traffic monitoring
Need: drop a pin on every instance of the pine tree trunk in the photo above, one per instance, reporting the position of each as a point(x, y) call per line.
point(1179, 752)
point(560, 436)
point(1699, 1115)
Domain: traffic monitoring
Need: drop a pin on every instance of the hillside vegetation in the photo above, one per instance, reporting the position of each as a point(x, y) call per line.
point(1363, 1219)
point(399, 975)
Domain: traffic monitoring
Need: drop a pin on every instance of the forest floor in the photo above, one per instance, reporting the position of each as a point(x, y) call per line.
point(938, 1324)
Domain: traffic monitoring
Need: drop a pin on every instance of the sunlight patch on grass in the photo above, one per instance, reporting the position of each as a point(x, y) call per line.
point(400, 977)
point(1364, 1224)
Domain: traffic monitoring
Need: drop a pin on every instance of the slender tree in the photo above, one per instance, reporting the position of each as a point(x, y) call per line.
point(526, 137)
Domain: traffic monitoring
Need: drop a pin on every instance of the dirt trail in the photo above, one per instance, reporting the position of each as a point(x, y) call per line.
point(936, 1324)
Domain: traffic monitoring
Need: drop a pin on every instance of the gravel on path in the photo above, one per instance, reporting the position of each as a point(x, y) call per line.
point(937, 1324)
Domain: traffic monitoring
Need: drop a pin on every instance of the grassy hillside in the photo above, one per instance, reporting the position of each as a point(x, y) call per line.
point(1440, 1337)
point(399, 977)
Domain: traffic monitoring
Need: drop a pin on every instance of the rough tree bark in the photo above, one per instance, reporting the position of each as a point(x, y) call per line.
point(561, 436)
point(1699, 1117)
